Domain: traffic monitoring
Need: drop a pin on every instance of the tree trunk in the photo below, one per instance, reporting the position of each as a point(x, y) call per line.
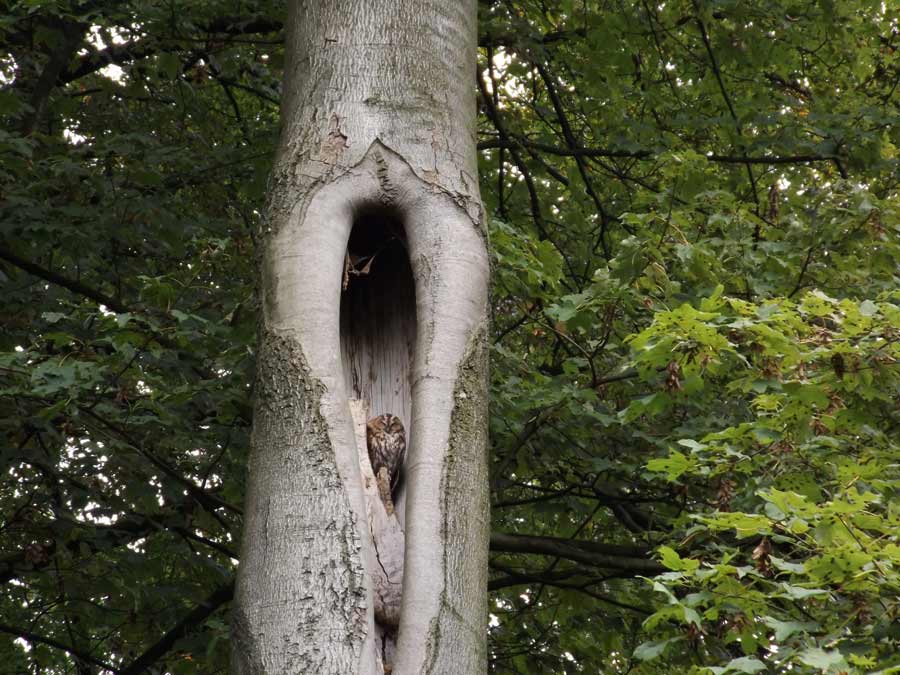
point(373, 279)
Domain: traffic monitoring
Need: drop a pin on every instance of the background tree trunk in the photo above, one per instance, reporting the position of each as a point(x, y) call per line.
point(373, 279)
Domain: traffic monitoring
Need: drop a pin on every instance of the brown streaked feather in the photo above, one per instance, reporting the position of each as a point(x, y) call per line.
point(386, 441)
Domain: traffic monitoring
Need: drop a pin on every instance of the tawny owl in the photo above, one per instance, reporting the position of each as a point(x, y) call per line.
point(386, 441)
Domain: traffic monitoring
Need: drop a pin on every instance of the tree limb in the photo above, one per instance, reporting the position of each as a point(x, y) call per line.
point(210, 502)
point(554, 580)
point(573, 143)
point(129, 52)
point(194, 618)
point(69, 284)
point(737, 122)
point(50, 642)
point(588, 552)
point(71, 33)
point(101, 298)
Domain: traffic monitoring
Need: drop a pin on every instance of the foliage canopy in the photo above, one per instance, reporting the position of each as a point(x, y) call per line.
point(695, 430)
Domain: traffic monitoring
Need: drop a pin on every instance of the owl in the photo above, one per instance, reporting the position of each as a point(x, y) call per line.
point(386, 441)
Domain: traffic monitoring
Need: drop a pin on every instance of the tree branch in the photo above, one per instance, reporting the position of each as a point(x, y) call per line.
point(505, 39)
point(534, 202)
point(71, 36)
point(647, 154)
point(210, 502)
point(573, 143)
point(101, 298)
point(194, 618)
point(554, 580)
point(74, 286)
point(577, 151)
point(50, 642)
point(787, 159)
point(737, 122)
point(588, 552)
point(126, 530)
point(134, 51)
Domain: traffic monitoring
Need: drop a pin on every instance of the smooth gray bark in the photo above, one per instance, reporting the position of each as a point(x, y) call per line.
point(378, 136)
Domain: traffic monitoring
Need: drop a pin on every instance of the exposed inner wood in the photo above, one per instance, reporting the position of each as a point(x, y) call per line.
point(378, 332)
point(388, 540)
point(378, 318)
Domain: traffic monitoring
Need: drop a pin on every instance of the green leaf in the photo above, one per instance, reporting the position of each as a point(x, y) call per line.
point(823, 660)
point(673, 466)
point(670, 558)
point(647, 651)
point(785, 629)
point(868, 308)
point(744, 664)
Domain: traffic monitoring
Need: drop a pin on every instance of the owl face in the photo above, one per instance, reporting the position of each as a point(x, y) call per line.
point(385, 424)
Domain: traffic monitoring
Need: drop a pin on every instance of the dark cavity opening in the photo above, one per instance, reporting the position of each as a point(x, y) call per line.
point(378, 313)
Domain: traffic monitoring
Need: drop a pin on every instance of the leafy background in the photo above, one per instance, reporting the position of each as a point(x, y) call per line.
point(694, 220)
